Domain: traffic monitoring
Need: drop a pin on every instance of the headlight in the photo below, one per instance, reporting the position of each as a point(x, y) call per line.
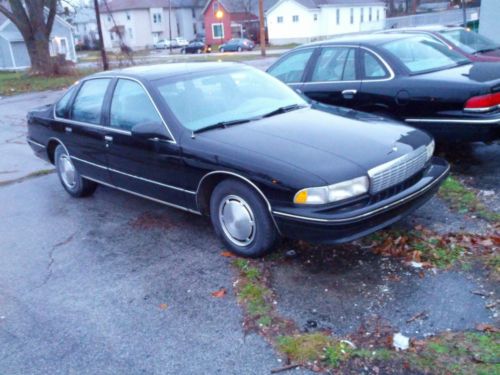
point(430, 149)
point(333, 193)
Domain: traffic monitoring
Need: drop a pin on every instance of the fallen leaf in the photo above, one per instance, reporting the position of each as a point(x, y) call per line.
point(487, 328)
point(219, 293)
point(227, 254)
point(163, 306)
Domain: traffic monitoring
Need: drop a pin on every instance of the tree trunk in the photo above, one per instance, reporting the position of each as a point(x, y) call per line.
point(41, 61)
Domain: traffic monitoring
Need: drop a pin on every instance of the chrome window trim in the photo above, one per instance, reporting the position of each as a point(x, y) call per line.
point(142, 195)
point(244, 179)
point(452, 120)
point(386, 65)
point(133, 176)
point(367, 214)
point(109, 128)
point(35, 143)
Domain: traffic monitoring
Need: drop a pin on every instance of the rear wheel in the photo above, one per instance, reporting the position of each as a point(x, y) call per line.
point(71, 180)
point(183, 51)
point(241, 219)
point(239, 49)
point(221, 50)
point(198, 51)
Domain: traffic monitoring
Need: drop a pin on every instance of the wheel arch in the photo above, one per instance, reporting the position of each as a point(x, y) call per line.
point(51, 148)
point(210, 180)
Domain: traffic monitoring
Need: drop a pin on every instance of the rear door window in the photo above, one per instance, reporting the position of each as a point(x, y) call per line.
point(373, 68)
point(87, 106)
point(291, 68)
point(335, 64)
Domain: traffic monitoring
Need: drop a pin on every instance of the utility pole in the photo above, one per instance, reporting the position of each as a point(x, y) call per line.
point(104, 58)
point(170, 25)
point(464, 11)
point(262, 29)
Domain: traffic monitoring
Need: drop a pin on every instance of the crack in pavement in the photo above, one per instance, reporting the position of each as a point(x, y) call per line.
point(39, 173)
point(52, 260)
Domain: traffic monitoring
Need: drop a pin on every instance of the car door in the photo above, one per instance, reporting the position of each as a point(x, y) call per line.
point(291, 68)
point(148, 167)
point(334, 78)
point(84, 131)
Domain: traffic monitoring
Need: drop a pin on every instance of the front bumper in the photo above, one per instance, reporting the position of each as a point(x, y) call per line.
point(348, 225)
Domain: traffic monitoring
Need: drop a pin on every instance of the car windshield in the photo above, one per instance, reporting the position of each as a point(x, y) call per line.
point(203, 100)
point(422, 54)
point(469, 41)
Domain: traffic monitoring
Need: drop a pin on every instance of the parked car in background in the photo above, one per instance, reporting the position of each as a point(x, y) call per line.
point(162, 44)
point(179, 42)
point(229, 141)
point(237, 45)
point(466, 42)
point(410, 78)
point(196, 47)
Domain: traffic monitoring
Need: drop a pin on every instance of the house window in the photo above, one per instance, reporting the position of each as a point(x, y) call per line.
point(218, 30)
point(378, 14)
point(279, 19)
point(370, 15)
point(109, 18)
point(352, 16)
point(130, 34)
point(157, 18)
point(193, 14)
point(362, 17)
point(338, 16)
point(315, 17)
point(111, 36)
point(128, 16)
point(295, 18)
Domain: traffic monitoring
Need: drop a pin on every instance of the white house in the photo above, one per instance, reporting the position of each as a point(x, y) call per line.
point(85, 25)
point(14, 54)
point(300, 21)
point(490, 14)
point(143, 23)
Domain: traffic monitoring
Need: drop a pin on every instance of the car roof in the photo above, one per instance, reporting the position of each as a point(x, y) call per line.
point(364, 39)
point(154, 72)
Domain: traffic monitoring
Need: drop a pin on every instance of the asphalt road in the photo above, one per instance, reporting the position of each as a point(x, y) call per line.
point(116, 284)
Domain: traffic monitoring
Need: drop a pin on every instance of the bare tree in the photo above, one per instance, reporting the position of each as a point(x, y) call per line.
point(34, 19)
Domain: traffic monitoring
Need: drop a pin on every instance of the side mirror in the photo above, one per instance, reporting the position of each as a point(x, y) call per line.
point(150, 130)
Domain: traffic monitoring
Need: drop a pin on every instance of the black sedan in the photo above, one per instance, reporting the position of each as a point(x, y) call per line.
point(410, 78)
point(237, 45)
point(196, 47)
point(231, 142)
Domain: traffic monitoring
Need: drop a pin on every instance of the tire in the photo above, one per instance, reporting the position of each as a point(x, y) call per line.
point(71, 180)
point(239, 49)
point(252, 240)
point(198, 51)
point(183, 51)
point(221, 50)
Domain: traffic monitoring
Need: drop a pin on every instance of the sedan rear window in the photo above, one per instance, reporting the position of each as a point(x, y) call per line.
point(469, 41)
point(422, 54)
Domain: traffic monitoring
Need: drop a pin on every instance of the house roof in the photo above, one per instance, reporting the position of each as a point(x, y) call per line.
point(122, 5)
point(242, 6)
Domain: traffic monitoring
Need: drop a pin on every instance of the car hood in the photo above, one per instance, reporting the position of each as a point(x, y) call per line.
point(333, 148)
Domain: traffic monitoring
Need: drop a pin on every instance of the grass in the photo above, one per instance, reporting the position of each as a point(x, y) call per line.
point(464, 200)
point(12, 83)
point(461, 353)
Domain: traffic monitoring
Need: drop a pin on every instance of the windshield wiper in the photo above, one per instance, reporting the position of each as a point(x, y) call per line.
point(284, 109)
point(485, 50)
point(222, 124)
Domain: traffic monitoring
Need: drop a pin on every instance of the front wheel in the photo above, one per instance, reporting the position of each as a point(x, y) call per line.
point(239, 49)
point(71, 180)
point(221, 50)
point(241, 219)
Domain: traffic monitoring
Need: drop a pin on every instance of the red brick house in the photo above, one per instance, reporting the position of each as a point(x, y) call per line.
point(237, 19)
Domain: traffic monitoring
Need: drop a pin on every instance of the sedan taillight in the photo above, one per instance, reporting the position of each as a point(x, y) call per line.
point(483, 103)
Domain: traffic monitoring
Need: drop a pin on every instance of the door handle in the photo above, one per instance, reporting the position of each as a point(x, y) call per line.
point(349, 94)
point(67, 129)
point(108, 138)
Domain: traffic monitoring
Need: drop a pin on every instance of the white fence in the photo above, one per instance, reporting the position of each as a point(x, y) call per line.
point(449, 17)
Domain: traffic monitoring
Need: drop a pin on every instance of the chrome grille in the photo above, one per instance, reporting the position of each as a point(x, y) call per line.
point(396, 171)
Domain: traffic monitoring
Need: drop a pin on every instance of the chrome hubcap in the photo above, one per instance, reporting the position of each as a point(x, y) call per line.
point(67, 171)
point(237, 220)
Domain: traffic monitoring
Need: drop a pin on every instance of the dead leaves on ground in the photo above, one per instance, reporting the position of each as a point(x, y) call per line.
point(219, 293)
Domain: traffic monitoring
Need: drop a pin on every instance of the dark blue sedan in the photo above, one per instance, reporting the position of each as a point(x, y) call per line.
point(237, 45)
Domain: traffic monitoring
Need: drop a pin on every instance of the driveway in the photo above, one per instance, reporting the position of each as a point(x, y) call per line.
point(116, 284)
